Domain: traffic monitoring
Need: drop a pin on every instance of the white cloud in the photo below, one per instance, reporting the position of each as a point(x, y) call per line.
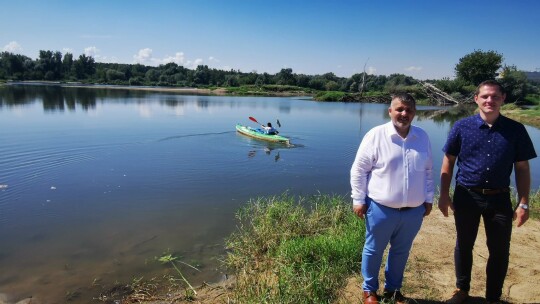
point(67, 50)
point(213, 59)
point(413, 69)
point(13, 47)
point(194, 64)
point(95, 53)
point(371, 70)
point(178, 58)
point(145, 56)
point(91, 51)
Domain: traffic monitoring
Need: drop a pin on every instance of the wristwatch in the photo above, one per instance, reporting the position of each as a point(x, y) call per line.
point(524, 206)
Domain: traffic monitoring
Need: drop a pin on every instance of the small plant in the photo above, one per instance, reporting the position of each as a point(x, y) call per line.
point(169, 258)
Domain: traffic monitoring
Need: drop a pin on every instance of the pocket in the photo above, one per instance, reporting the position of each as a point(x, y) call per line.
point(420, 159)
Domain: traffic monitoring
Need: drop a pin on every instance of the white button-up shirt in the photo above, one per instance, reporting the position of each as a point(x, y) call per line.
point(391, 170)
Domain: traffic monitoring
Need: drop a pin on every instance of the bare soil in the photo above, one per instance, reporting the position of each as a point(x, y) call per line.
point(429, 277)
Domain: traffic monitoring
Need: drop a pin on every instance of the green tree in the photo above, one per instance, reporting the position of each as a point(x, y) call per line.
point(67, 65)
point(515, 83)
point(479, 66)
point(12, 65)
point(285, 77)
point(331, 86)
point(113, 75)
point(398, 82)
point(85, 67)
point(49, 65)
point(152, 75)
point(201, 75)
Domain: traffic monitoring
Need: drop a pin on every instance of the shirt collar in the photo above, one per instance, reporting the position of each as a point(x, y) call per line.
point(497, 124)
point(391, 131)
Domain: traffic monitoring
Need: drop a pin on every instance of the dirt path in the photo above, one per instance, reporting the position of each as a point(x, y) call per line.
point(430, 278)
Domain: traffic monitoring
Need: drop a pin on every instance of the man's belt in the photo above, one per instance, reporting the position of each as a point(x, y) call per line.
point(489, 191)
point(403, 208)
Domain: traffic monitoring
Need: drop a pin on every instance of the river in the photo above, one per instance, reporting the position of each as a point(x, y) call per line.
point(97, 183)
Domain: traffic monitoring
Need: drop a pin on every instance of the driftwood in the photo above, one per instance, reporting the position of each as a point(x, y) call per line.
point(439, 96)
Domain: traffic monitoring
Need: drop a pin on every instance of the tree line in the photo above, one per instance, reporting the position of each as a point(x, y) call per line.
point(55, 66)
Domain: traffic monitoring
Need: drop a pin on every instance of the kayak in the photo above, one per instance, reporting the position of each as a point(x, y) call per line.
point(259, 134)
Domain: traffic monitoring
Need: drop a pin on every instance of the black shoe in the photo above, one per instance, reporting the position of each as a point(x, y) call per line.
point(395, 296)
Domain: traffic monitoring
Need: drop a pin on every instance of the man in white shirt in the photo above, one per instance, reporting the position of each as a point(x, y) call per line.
point(392, 189)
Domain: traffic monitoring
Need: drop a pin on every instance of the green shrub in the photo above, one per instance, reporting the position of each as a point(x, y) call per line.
point(291, 250)
point(330, 96)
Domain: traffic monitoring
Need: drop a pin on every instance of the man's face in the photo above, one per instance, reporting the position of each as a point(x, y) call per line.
point(489, 99)
point(402, 114)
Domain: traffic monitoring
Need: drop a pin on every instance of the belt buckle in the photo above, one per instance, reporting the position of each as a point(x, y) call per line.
point(485, 191)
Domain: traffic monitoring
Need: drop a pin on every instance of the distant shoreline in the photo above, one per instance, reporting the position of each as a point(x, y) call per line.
point(220, 91)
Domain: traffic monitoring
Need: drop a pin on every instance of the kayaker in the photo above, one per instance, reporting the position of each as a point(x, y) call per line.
point(268, 129)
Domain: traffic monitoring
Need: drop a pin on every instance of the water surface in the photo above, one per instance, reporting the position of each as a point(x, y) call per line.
point(96, 183)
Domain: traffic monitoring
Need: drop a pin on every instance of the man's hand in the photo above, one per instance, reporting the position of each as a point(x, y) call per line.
point(444, 203)
point(521, 215)
point(428, 207)
point(360, 210)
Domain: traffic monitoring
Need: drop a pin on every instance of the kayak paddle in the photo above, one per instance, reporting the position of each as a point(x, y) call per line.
point(254, 120)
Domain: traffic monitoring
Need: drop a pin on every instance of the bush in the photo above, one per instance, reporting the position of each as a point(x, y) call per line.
point(330, 96)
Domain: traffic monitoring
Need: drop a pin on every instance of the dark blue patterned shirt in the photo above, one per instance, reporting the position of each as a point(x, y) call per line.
point(485, 156)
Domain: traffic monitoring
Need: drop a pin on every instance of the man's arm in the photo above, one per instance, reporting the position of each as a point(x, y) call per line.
point(447, 170)
point(523, 185)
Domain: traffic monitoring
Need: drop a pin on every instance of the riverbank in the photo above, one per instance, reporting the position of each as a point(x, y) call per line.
point(527, 116)
point(264, 91)
point(264, 272)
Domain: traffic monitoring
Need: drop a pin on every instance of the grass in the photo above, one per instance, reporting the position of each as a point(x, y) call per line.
point(528, 116)
point(294, 250)
point(329, 96)
point(268, 90)
point(534, 204)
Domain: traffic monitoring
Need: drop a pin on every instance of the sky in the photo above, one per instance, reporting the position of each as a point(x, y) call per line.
point(422, 39)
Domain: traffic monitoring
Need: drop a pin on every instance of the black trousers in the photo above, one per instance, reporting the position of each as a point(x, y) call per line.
point(496, 211)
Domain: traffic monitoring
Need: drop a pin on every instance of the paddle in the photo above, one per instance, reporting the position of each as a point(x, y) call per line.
point(254, 120)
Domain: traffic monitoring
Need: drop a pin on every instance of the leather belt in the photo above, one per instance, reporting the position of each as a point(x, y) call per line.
point(402, 208)
point(489, 191)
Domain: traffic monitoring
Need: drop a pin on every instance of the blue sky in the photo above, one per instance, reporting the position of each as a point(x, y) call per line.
point(423, 39)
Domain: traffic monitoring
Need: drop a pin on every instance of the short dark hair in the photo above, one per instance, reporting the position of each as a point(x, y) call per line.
point(405, 97)
point(269, 125)
point(491, 83)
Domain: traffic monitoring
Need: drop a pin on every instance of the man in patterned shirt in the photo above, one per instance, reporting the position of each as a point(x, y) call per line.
point(487, 146)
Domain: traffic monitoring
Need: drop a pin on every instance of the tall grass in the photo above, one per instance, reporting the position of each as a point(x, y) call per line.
point(294, 250)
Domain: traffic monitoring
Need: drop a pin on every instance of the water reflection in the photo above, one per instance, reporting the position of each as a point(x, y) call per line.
point(445, 115)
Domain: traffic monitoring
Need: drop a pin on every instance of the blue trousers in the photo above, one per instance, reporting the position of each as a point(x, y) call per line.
point(385, 225)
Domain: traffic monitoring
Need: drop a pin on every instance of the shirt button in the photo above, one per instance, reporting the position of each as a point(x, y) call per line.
point(487, 182)
point(489, 140)
point(488, 169)
point(488, 154)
